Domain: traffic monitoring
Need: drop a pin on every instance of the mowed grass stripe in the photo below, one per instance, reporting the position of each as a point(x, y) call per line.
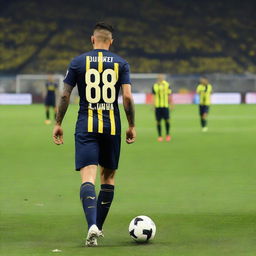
point(199, 189)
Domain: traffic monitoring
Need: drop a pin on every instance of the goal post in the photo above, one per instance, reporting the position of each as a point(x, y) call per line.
point(35, 85)
point(143, 82)
point(22, 81)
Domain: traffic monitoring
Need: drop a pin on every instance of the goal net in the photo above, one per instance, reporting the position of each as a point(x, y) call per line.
point(35, 85)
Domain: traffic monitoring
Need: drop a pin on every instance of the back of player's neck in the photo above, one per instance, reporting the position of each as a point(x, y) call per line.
point(100, 47)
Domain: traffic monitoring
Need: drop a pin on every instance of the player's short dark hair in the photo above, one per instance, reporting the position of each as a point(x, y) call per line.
point(104, 26)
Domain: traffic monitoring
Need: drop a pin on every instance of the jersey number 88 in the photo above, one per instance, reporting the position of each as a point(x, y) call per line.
point(100, 91)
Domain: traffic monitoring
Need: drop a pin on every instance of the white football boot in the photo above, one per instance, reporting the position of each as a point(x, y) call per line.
point(93, 234)
point(101, 233)
point(205, 129)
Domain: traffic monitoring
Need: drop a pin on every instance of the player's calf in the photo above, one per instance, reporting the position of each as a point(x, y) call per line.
point(106, 196)
point(204, 122)
point(89, 202)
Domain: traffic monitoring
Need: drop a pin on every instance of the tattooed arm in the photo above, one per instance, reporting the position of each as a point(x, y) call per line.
point(62, 108)
point(130, 112)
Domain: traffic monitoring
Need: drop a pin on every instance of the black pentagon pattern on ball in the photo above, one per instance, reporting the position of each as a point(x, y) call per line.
point(137, 220)
point(148, 233)
point(132, 234)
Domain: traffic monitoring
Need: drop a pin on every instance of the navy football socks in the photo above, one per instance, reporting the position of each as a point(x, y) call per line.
point(89, 201)
point(47, 113)
point(203, 122)
point(159, 130)
point(167, 127)
point(105, 199)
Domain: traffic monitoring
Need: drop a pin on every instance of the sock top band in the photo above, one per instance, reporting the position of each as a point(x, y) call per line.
point(87, 184)
point(107, 186)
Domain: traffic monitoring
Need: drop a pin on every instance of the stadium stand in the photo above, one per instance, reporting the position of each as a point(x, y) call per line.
point(179, 37)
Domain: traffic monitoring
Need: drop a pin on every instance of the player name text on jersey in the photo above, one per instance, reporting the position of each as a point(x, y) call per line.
point(102, 106)
point(102, 59)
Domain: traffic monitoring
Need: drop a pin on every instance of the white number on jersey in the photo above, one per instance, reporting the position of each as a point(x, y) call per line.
point(109, 80)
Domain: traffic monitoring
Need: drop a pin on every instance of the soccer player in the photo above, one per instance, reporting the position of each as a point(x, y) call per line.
point(99, 75)
point(162, 102)
point(50, 98)
point(204, 90)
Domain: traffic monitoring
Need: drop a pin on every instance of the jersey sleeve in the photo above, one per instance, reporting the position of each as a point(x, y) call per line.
point(153, 89)
point(198, 89)
point(169, 90)
point(125, 74)
point(71, 77)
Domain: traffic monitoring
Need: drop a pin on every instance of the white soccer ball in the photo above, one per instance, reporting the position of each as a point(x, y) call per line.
point(142, 229)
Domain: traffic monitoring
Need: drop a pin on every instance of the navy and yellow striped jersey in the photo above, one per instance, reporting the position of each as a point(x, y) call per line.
point(161, 90)
point(51, 87)
point(98, 75)
point(204, 92)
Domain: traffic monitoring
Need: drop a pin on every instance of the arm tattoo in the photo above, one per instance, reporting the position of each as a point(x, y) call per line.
point(130, 112)
point(63, 104)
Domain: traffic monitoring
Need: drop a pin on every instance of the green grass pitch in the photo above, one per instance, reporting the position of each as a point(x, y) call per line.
point(199, 188)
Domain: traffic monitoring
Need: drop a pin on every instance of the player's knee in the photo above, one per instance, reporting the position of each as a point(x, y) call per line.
point(88, 173)
point(107, 176)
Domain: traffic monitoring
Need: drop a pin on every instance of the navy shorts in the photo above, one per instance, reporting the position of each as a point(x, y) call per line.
point(50, 101)
point(203, 109)
point(97, 149)
point(162, 113)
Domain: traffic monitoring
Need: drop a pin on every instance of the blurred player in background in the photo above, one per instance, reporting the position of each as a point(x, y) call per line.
point(204, 90)
point(50, 98)
point(99, 75)
point(163, 103)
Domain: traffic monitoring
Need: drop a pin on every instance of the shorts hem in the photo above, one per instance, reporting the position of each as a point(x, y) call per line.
point(108, 167)
point(82, 166)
